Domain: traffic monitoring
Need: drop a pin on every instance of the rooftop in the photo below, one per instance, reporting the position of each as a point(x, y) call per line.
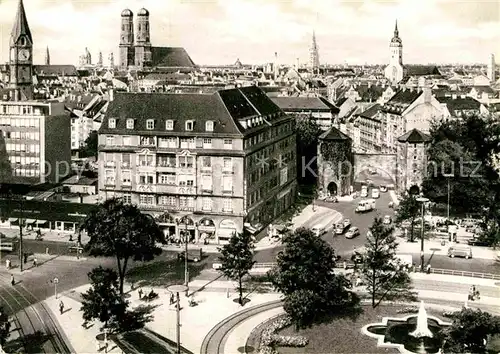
point(414, 136)
point(334, 134)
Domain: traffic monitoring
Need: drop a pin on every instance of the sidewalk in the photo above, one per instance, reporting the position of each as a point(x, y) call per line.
point(434, 247)
point(47, 235)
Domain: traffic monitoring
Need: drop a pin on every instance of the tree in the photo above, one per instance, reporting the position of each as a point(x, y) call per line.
point(90, 147)
point(120, 230)
point(103, 298)
point(4, 326)
point(381, 270)
point(463, 153)
point(470, 331)
point(308, 132)
point(104, 302)
point(237, 259)
point(304, 274)
point(408, 210)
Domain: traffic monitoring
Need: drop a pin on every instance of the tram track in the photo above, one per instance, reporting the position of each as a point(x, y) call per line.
point(32, 318)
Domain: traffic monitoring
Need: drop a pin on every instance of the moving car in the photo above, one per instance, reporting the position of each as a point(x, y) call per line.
point(318, 230)
point(364, 191)
point(383, 189)
point(352, 232)
point(375, 193)
point(347, 222)
point(460, 251)
point(365, 206)
point(342, 226)
point(387, 219)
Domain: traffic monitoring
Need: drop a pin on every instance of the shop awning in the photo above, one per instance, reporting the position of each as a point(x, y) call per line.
point(30, 221)
point(13, 219)
point(226, 233)
point(41, 221)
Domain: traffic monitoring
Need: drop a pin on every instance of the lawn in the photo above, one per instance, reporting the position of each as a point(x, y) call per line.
point(343, 335)
point(144, 344)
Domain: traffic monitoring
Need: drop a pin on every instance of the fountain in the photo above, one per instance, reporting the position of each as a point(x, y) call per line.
point(411, 334)
point(422, 329)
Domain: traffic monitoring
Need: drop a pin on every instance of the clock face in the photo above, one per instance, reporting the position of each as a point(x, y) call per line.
point(24, 54)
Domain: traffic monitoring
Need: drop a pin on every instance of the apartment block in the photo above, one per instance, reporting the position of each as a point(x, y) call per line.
point(34, 142)
point(202, 164)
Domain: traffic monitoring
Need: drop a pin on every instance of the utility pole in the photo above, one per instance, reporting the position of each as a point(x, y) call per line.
point(186, 270)
point(178, 327)
point(423, 201)
point(448, 205)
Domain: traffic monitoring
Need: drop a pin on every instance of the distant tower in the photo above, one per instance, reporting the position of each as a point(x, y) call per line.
point(492, 68)
point(142, 42)
point(99, 59)
point(21, 57)
point(47, 56)
point(127, 39)
point(275, 66)
point(111, 60)
point(88, 57)
point(314, 54)
point(394, 71)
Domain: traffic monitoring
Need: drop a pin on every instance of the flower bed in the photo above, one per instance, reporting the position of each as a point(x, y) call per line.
point(412, 309)
point(270, 339)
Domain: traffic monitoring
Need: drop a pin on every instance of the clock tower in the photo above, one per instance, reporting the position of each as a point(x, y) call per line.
point(21, 57)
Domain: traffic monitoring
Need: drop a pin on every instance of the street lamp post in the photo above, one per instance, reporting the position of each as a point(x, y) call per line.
point(176, 289)
point(422, 200)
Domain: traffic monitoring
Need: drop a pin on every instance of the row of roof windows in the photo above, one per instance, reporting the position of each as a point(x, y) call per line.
point(169, 124)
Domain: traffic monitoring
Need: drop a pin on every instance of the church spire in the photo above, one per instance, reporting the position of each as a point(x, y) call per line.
point(21, 27)
point(47, 56)
point(396, 32)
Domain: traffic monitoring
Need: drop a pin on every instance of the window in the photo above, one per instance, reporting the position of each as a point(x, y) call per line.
point(127, 198)
point(186, 180)
point(110, 140)
point(125, 160)
point(170, 142)
point(189, 125)
point(228, 143)
point(127, 141)
point(169, 125)
point(283, 176)
point(146, 179)
point(206, 182)
point(166, 160)
point(167, 178)
point(112, 123)
point(130, 124)
point(147, 141)
point(186, 161)
point(206, 162)
point(150, 124)
point(207, 143)
point(126, 178)
point(187, 143)
point(146, 160)
point(228, 164)
point(207, 204)
point(110, 177)
point(227, 183)
point(146, 199)
point(209, 126)
point(227, 205)
point(167, 200)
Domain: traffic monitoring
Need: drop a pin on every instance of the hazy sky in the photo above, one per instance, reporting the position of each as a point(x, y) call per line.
point(220, 31)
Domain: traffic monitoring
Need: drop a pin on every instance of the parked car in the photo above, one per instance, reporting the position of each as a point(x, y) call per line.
point(346, 222)
point(352, 232)
point(319, 229)
point(460, 251)
point(375, 193)
point(383, 189)
point(477, 242)
point(387, 220)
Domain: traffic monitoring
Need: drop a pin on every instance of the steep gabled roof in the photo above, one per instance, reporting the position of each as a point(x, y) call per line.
point(371, 112)
point(171, 57)
point(333, 134)
point(414, 136)
point(459, 103)
point(21, 27)
point(421, 70)
point(400, 101)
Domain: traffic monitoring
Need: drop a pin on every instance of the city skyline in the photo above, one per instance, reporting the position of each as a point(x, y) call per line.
point(219, 32)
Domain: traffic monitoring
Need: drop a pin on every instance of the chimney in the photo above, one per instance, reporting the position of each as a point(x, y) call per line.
point(427, 92)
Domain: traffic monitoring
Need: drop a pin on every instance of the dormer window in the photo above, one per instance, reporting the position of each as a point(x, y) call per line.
point(169, 125)
point(112, 123)
point(209, 126)
point(150, 124)
point(130, 124)
point(189, 125)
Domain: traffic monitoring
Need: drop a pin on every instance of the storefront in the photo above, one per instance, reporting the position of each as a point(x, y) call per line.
point(167, 224)
point(206, 230)
point(227, 229)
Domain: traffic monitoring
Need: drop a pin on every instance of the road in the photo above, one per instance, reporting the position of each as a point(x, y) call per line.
point(344, 247)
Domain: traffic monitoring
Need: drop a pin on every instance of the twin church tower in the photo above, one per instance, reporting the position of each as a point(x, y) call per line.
point(138, 53)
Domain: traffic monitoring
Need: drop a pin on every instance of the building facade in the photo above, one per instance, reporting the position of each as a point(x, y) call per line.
point(412, 159)
point(221, 161)
point(34, 142)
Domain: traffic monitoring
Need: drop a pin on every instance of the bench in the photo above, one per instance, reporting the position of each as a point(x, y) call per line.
point(75, 249)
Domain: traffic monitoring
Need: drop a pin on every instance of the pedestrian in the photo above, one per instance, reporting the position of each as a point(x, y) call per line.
point(61, 307)
point(7, 264)
point(345, 265)
point(12, 280)
point(428, 269)
point(35, 262)
point(172, 299)
point(140, 293)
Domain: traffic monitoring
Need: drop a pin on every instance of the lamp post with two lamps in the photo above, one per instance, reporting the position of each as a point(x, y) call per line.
point(185, 220)
point(422, 200)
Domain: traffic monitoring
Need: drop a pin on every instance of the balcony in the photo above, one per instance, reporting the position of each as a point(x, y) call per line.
point(228, 169)
point(165, 168)
point(206, 168)
point(206, 190)
point(125, 165)
point(109, 164)
point(146, 188)
point(228, 190)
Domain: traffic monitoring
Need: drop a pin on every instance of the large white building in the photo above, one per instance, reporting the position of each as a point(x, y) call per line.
point(394, 72)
